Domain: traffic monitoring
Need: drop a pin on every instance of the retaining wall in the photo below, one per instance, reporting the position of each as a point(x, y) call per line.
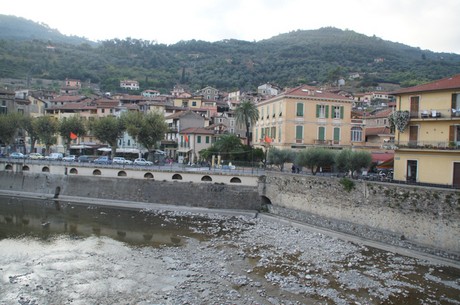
point(408, 216)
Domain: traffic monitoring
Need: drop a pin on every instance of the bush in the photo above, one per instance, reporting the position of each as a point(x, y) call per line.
point(347, 184)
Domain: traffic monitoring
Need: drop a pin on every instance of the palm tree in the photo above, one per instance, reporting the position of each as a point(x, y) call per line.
point(246, 114)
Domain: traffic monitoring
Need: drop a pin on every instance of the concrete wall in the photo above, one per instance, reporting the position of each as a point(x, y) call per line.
point(402, 215)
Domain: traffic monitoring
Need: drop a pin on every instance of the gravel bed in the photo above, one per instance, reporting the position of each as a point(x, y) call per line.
point(238, 260)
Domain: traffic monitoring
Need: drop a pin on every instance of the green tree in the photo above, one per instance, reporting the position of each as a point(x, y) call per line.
point(9, 127)
point(246, 114)
point(147, 129)
point(348, 160)
point(316, 158)
point(73, 124)
point(280, 156)
point(46, 128)
point(108, 130)
point(28, 124)
point(229, 146)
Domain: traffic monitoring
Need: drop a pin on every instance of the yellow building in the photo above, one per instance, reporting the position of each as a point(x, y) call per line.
point(305, 116)
point(428, 148)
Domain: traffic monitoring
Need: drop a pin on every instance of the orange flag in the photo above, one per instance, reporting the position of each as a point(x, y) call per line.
point(268, 139)
point(186, 138)
point(73, 136)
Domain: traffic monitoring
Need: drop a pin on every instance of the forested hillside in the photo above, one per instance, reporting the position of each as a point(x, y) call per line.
point(314, 56)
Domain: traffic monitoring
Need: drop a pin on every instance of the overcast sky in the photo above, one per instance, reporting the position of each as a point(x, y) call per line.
point(427, 24)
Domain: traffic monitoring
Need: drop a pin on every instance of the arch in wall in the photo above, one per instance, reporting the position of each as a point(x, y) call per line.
point(177, 177)
point(206, 178)
point(73, 171)
point(96, 172)
point(266, 203)
point(235, 180)
point(45, 169)
point(148, 175)
point(122, 174)
point(25, 168)
point(9, 167)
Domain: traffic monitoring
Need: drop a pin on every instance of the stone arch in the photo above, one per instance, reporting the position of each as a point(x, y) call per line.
point(45, 169)
point(206, 178)
point(122, 174)
point(73, 171)
point(25, 168)
point(96, 172)
point(266, 203)
point(148, 175)
point(177, 177)
point(9, 167)
point(235, 180)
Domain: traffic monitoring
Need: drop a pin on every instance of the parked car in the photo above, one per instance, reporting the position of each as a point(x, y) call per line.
point(85, 159)
point(121, 160)
point(54, 157)
point(17, 155)
point(103, 160)
point(36, 156)
point(142, 161)
point(70, 158)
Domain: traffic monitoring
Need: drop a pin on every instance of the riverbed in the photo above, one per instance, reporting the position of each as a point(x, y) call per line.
point(66, 253)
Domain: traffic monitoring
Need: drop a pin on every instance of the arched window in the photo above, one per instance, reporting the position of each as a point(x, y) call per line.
point(206, 178)
point(177, 177)
point(235, 180)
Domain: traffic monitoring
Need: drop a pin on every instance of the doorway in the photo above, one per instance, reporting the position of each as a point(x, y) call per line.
point(411, 175)
point(456, 176)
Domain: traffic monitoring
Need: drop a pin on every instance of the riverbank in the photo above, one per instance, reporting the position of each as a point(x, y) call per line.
point(241, 259)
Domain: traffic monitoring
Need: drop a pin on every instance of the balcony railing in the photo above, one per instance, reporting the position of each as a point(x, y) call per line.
point(437, 145)
point(436, 114)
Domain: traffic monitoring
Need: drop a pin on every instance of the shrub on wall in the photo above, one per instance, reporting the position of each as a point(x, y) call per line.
point(347, 184)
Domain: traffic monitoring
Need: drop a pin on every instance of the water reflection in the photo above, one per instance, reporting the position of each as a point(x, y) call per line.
point(45, 219)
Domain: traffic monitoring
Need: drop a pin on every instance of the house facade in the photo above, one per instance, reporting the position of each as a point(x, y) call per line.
point(129, 84)
point(191, 141)
point(303, 117)
point(428, 148)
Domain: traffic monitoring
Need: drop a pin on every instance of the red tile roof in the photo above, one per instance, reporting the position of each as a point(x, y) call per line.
point(375, 131)
point(196, 130)
point(452, 82)
point(68, 98)
point(309, 91)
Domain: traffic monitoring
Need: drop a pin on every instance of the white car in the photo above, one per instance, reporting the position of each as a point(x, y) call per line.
point(70, 158)
point(121, 160)
point(142, 161)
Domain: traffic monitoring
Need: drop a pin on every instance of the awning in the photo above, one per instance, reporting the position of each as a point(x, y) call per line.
point(386, 164)
point(184, 150)
point(104, 149)
point(80, 147)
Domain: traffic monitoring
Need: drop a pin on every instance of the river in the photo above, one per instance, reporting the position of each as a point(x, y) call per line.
point(54, 252)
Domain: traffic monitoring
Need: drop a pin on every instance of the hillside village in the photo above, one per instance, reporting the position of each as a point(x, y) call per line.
point(416, 145)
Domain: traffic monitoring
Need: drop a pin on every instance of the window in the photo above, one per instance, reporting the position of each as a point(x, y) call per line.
point(193, 103)
point(299, 110)
point(321, 133)
point(336, 135)
point(207, 139)
point(322, 111)
point(198, 139)
point(273, 132)
point(279, 134)
point(356, 134)
point(337, 112)
point(298, 134)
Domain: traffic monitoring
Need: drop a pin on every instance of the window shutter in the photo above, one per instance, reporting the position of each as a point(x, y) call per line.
point(341, 112)
point(317, 111)
point(321, 133)
point(336, 134)
point(327, 111)
point(451, 133)
point(298, 132)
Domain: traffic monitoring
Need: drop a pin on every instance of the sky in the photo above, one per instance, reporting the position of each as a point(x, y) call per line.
point(427, 24)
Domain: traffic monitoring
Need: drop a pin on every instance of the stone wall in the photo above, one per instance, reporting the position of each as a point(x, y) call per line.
point(408, 216)
point(208, 195)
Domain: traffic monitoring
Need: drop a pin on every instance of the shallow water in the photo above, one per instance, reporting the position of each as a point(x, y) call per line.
point(55, 252)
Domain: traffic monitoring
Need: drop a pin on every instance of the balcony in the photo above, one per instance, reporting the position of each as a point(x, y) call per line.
point(427, 145)
point(436, 114)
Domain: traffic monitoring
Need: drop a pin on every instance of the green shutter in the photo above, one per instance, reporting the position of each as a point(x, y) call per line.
point(321, 133)
point(298, 132)
point(341, 112)
point(336, 134)
point(207, 139)
point(327, 111)
point(317, 111)
point(299, 109)
point(198, 139)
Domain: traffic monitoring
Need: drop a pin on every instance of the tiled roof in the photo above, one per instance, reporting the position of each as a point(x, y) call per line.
point(375, 131)
point(74, 106)
point(68, 98)
point(196, 130)
point(313, 92)
point(452, 82)
point(381, 114)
